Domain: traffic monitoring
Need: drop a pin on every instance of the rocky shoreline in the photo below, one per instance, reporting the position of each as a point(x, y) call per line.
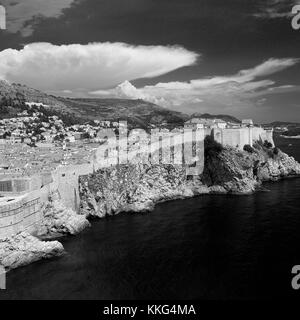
point(59, 220)
point(139, 187)
point(24, 248)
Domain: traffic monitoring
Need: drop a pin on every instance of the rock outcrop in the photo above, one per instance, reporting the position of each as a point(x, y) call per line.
point(59, 220)
point(135, 187)
point(23, 249)
point(138, 187)
point(281, 166)
point(242, 172)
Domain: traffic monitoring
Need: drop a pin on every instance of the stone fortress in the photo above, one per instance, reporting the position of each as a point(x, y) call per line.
point(23, 198)
point(232, 134)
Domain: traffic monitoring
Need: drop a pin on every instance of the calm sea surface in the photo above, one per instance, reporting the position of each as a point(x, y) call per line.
point(209, 247)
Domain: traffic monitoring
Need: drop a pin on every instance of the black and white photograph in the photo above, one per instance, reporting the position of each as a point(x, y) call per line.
point(149, 151)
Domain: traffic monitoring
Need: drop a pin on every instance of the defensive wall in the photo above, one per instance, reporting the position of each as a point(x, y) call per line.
point(19, 214)
point(22, 199)
point(22, 208)
point(65, 181)
point(261, 134)
point(23, 211)
point(239, 137)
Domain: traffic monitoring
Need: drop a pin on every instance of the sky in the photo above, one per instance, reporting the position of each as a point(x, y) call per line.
point(237, 57)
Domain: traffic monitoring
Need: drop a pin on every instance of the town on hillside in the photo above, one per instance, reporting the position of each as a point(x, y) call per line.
point(42, 151)
point(38, 139)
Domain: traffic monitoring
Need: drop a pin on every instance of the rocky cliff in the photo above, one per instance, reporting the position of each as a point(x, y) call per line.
point(229, 170)
point(135, 187)
point(23, 249)
point(59, 220)
point(139, 187)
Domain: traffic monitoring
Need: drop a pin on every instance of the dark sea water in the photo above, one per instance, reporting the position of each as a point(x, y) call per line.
point(209, 247)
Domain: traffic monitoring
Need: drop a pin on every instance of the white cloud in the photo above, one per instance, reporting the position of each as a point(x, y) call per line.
point(20, 12)
point(223, 91)
point(89, 67)
point(127, 90)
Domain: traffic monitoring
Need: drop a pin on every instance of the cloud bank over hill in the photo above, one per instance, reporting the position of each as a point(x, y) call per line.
point(58, 68)
point(224, 91)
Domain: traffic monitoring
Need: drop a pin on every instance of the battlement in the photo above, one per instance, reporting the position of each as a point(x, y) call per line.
point(239, 137)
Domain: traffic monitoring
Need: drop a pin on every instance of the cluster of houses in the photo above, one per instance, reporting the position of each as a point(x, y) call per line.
point(29, 129)
point(34, 128)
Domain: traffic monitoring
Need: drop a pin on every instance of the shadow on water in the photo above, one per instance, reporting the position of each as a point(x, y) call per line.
point(209, 247)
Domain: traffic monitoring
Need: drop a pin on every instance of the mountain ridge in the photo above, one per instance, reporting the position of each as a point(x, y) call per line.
point(137, 112)
point(225, 117)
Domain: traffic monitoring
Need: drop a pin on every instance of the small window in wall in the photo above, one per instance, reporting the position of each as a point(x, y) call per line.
point(6, 186)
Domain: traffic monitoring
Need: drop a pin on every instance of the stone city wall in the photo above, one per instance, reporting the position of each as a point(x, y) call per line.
point(21, 212)
point(235, 138)
point(33, 192)
point(239, 137)
point(65, 181)
point(260, 134)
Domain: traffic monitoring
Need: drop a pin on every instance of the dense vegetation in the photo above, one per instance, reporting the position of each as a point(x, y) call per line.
point(248, 148)
point(211, 147)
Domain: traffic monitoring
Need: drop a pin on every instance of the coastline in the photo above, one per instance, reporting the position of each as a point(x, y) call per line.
point(229, 172)
point(290, 137)
point(145, 187)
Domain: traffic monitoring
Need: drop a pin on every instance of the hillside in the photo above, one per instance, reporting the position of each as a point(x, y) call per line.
point(17, 94)
point(282, 124)
point(293, 132)
point(224, 117)
point(138, 113)
point(289, 129)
